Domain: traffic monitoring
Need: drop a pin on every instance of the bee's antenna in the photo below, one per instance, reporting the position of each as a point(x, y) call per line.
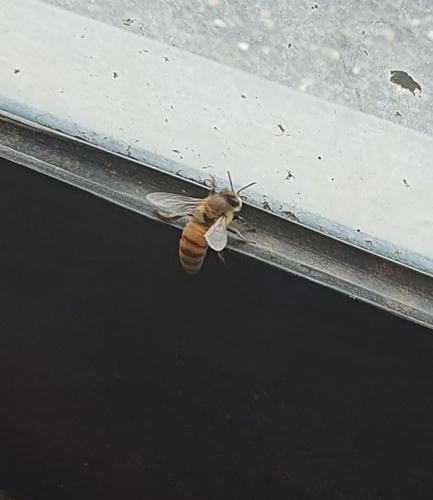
point(230, 179)
point(247, 186)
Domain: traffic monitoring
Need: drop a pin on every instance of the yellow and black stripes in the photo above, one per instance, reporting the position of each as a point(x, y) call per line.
point(193, 246)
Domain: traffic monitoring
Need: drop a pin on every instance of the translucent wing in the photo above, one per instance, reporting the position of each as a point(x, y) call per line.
point(216, 236)
point(176, 204)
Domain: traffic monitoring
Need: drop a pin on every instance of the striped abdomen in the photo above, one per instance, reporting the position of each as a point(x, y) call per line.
point(193, 246)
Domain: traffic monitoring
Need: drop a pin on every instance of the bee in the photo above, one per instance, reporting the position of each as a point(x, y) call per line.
point(207, 227)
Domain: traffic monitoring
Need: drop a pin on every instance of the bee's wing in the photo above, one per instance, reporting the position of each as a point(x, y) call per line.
point(216, 236)
point(176, 204)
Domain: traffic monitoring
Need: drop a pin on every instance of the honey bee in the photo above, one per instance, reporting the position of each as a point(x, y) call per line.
point(207, 227)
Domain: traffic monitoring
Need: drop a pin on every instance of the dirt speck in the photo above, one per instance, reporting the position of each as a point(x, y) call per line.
point(265, 204)
point(405, 81)
point(290, 215)
point(115, 75)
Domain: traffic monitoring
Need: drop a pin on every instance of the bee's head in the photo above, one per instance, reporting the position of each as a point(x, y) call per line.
point(228, 199)
point(233, 199)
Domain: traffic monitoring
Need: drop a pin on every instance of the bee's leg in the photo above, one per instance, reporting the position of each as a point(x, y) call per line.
point(239, 235)
point(166, 216)
point(221, 257)
point(239, 217)
point(235, 231)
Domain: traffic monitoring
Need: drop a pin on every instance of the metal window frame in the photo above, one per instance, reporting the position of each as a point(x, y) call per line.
point(278, 241)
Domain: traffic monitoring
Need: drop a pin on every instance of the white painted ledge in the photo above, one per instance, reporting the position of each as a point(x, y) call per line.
point(355, 177)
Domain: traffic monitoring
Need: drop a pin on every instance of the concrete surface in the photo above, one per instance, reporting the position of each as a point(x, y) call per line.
point(341, 51)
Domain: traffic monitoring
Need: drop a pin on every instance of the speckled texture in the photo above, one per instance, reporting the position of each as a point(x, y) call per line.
point(340, 51)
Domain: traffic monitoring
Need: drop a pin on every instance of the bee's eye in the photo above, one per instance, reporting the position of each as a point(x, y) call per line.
point(234, 202)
